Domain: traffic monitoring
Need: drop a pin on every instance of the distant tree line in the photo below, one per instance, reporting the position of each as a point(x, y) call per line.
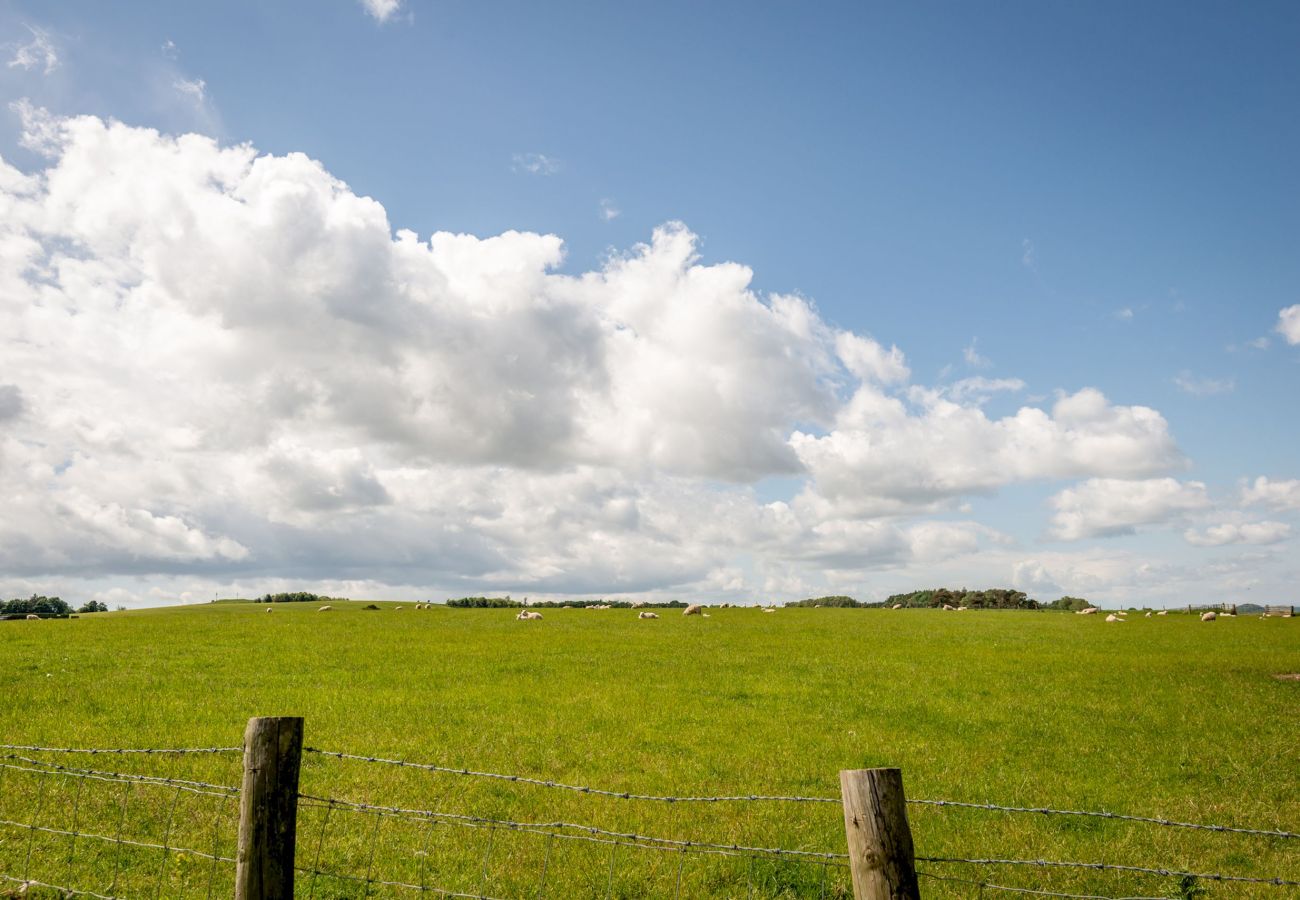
point(40, 605)
point(1069, 604)
point(299, 597)
point(838, 600)
point(993, 598)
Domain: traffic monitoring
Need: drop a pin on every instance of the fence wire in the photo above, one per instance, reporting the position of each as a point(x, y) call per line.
point(1022, 890)
point(40, 767)
point(587, 832)
point(1113, 867)
point(25, 883)
point(123, 750)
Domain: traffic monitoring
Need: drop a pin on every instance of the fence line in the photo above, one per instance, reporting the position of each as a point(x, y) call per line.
point(1169, 823)
point(144, 845)
point(600, 792)
point(1116, 867)
point(1022, 890)
point(120, 750)
point(642, 841)
point(627, 795)
point(550, 830)
point(44, 768)
point(24, 883)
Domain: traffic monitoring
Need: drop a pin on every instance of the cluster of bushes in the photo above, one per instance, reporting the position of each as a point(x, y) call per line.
point(993, 598)
point(40, 605)
point(299, 597)
point(1069, 604)
point(838, 600)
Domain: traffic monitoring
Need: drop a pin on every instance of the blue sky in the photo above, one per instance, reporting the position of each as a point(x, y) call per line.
point(1072, 196)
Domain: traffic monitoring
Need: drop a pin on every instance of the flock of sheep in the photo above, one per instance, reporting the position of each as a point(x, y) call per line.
point(695, 609)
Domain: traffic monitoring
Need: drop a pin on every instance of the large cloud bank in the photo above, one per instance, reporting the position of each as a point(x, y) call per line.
point(228, 363)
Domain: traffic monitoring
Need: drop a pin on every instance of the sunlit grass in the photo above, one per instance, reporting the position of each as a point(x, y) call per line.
point(1166, 717)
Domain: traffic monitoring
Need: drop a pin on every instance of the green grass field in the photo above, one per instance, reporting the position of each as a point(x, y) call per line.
point(1165, 717)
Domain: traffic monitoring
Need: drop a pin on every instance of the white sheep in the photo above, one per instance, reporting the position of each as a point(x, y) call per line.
point(1091, 610)
point(693, 610)
point(325, 609)
point(1209, 616)
point(395, 608)
point(769, 609)
point(646, 614)
point(33, 617)
point(526, 614)
point(897, 606)
point(1163, 612)
point(961, 609)
point(268, 609)
point(1113, 618)
point(1148, 615)
point(949, 607)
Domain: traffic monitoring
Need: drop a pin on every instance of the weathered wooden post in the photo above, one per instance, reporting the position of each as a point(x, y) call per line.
point(880, 841)
point(268, 809)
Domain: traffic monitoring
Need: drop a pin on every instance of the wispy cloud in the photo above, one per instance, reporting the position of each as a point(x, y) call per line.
point(608, 211)
point(195, 89)
point(972, 356)
point(38, 53)
point(1028, 257)
point(1203, 387)
point(1259, 343)
point(170, 50)
point(382, 10)
point(1125, 314)
point(534, 164)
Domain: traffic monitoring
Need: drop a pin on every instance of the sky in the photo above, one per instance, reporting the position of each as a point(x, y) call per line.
point(416, 299)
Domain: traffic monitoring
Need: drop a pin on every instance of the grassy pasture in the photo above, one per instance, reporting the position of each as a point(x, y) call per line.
point(1166, 717)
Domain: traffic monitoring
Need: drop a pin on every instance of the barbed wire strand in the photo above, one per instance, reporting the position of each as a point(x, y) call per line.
point(1020, 890)
point(397, 884)
point(76, 820)
point(538, 782)
point(144, 845)
point(544, 827)
point(1115, 867)
point(42, 767)
point(628, 795)
point(1150, 820)
point(24, 883)
point(122, 750)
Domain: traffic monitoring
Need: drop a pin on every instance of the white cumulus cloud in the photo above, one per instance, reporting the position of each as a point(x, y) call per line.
point(1103, 507)
point(1278, 494)
point(1238, 533)
point(382, 10)
point(1288, 324)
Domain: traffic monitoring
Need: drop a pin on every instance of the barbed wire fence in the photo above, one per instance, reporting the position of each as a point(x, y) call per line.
point(172, 836)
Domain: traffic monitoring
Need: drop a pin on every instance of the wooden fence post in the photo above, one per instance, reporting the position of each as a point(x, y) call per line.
point(880, 841)
point(268, 809)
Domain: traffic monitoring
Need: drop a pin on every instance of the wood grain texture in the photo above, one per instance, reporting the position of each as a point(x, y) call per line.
point(879, 839)
point(268, 809)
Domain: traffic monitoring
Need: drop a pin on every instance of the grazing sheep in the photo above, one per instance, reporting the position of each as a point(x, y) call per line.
point(268, 609)
point(961, 609)
point(769, 609)
point(525, 614)
point(1113, 618)
point(325, 609)
point(395, 608)
point(1148, 615)
point(949, 607)
point(693, 610)
point(646, 614)
point(33, 616)
point(1091, 610)
point(1209, 616)
point(1163, 612)
point(897, 606)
